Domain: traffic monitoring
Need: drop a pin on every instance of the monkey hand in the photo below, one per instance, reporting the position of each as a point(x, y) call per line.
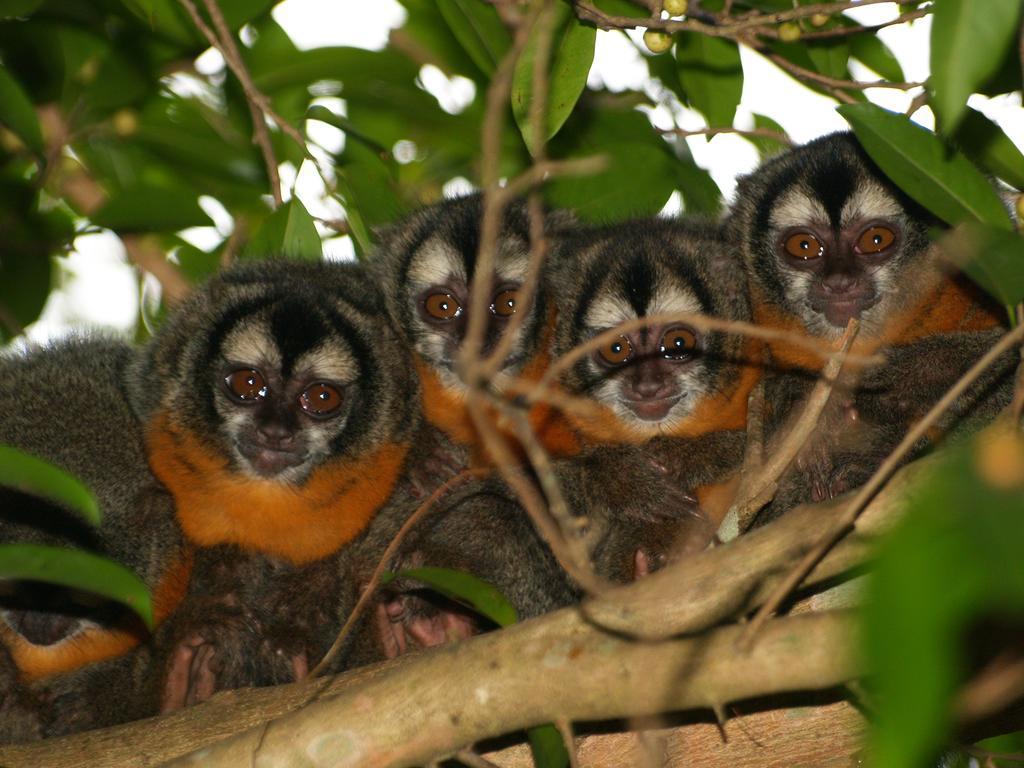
point(406, 621)
point(209, 646)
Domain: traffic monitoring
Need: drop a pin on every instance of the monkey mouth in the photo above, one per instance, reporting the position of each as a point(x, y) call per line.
point(651, 409)
point(839, 310)
point(270, 462)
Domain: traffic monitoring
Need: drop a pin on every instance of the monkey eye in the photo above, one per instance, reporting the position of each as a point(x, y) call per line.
point(875, 239)
point(803, 245)
point(504, 303)
point(320, 400)
point(679, 344)
point(617, 351)
point(442, 306)
point(246, 385)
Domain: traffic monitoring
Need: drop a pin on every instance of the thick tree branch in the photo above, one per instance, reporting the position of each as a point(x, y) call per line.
point(535, 672)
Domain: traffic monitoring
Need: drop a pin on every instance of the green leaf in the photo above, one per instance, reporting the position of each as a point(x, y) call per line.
point(28, 474)
point(969, 40)
point(342, 123)
point(967, 512)
point(547, 747)
point(572, 53)
point(18, 8)
point(993, 258)
point(428, 30)
point(711, 75)
point(151, 209)
point(17, 113)
point(25, 282)
point(985, 143)
point(464, 588)
point(80, 570)
point(831, 57)
point(368, 185)
point(641, 172)
point(942, 180)
point(870, 51)
point(700, 192)
point(195, 263)
point(288, 232)
point(478, 28)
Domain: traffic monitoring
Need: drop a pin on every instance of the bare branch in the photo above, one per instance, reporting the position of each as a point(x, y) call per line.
point(146, 254)
point(758, 488)
point(224, 42)
point(764, 133)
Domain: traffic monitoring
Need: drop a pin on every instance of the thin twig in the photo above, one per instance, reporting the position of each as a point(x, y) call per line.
point(705, 323)
point(872, 486)
point(808, 75)
point(999, 685)
point(238, 236)
point(224, 42)
point(558, 509)
point(564, 727)
point(750, 133)
point(147, 255)
point(371, 586)
point(825, 34)
point(728, 26)
point(984, 754)
point(473, 760)
point(252, 93)
point(757, 489)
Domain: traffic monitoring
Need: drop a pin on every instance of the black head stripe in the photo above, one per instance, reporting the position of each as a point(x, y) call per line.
point(297, 327)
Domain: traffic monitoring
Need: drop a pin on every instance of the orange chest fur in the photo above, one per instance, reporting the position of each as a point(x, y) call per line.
point(952, 305)
point(723, 411)
point(448, 411)
point(298, 523)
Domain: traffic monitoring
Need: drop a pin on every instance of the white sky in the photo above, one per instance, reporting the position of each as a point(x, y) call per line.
point(99, 289)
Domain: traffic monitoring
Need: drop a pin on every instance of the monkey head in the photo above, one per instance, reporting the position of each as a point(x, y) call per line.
point(827, 237)
point(279, 383)
point(427, 264)
point(656, 379)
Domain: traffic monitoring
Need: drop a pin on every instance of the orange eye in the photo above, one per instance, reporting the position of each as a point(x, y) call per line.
point(320, 400)
point(442, 306)
point(679, 344)
point(875, 239)
point(247, 385)
point(504, 303)
point(617, 352)
point(803, 245)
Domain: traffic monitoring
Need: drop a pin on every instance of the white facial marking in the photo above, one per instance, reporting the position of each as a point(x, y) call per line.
point(329, 360)
point(870, 201)
point(796, 208)
point(436, 263)
point(607, 312)
point(253, 344)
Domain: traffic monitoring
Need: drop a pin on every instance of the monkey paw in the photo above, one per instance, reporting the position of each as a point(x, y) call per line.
point(406, 622)
point(215, 652)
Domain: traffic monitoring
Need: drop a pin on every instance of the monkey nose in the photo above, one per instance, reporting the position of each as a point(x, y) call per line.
point(839, 282)
point(276, 435)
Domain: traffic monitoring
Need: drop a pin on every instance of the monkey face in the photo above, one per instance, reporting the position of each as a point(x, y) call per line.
point(438, 285)
point(279, 413)
point(280, 367)
point(652, 378)
point(828, 237)
point(426, 264)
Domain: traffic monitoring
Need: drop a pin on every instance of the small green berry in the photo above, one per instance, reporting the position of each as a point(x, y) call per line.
point(676, 7)
point(657, 41)
point(789, 32)
point(1020, 207)
point(820, 19)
